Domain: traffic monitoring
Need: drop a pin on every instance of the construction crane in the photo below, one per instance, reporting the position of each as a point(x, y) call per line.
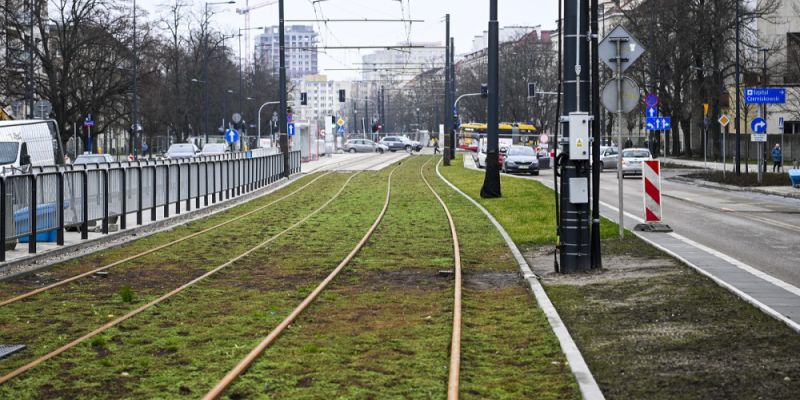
point(246, 12)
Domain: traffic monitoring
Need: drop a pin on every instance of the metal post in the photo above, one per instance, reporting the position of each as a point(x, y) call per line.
point(85, 219)
point(123, 223)
point(738, 94)
point(491, 181)
point(4, 217)
point(762, 168)
point(134, 123)
point(282, 112)
point(596, 258)
point(619, 141)
point(106, 200)
point(447, 100)
point(452, 96)
point(32, 210)
point(205, 74)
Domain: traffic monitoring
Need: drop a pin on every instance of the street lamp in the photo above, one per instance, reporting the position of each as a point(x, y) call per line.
point(762, 162)
point(418, 127)
point(258, 140)
point(205, 59)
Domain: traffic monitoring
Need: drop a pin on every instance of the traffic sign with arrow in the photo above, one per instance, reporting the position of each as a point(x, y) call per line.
point(659, 124)
point(758, 125)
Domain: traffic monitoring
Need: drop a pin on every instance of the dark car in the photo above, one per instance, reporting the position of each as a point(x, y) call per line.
point(521, 159)
point(394, 143)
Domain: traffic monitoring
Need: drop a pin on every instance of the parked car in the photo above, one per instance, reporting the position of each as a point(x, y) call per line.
point(521, 159)
point(632, 160)
point(214, 149)
point(93, 159)
point(364, 146)
point(181, 150)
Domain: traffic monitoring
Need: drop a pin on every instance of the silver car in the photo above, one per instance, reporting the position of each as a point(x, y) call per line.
point(181, 150)
point(608, 157)
point(632, 160)
point(364, 146)
point(521, 159)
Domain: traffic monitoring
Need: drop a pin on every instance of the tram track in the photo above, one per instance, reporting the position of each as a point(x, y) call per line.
point(172, 243)
point(455, 348)
point(39, 360)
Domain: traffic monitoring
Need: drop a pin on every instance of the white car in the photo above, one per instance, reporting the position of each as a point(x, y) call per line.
point(632, 159)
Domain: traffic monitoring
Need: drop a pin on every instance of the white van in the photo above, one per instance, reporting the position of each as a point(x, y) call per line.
point(480, 159)
point(29, 143)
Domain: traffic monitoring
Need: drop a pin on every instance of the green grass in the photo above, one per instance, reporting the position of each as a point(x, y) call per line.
point(667, 333)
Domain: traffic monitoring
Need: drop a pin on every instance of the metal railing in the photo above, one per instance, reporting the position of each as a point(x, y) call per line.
point(41, 205)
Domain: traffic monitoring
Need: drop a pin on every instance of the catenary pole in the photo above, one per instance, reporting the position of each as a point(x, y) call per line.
point(282, 115)
point(596, 259)
point(491, 181)
point(447, 101)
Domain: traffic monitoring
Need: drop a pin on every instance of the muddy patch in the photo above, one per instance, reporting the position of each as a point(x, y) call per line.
point(491, 280)
point(615, 268)
point(408, 278)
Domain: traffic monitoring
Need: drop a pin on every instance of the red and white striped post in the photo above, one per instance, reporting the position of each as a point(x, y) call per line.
point(651, 173)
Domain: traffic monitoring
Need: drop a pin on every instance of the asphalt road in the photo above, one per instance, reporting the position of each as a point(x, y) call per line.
point(760, 230)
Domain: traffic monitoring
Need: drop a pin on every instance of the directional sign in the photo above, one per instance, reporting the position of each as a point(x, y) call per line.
point(290, 129)
point(88, 121)
point(724, 120)
point(231, 136)
point(758, 125)
point(659, 124)
point(630, 48)
point(651, 112)
point(652, 100)
point(765, 96)
point(631, 96)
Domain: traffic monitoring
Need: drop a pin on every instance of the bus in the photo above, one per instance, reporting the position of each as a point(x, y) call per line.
point(469, 135)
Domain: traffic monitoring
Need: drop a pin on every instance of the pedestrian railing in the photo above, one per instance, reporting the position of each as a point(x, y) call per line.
point(41, 205)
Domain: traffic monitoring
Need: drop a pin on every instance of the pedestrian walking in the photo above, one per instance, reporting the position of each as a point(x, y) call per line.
point(435, 146)
point(628, 143)
point(777, 158)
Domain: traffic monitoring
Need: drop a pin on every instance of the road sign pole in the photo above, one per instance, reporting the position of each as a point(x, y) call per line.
point(619, 139)
point(724, 151)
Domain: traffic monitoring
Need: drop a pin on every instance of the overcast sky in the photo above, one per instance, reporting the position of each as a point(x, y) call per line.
point(468, 18)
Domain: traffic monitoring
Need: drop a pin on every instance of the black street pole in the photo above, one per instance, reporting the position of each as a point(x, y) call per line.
point(282, 115)
point(241, 78)
point(491, 181)
point(596, 257)
point(29, 81)
point(452, 98)
point(447, 103)
point(135, 127)
point(205, 75)
point(574, 247)
point(737, 167)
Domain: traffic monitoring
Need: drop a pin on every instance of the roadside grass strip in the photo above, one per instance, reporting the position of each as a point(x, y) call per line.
point(180, 347)
point(382, 329)
point(648, 326)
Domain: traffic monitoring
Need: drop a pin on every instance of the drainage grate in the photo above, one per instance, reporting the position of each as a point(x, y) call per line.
point(7, 350)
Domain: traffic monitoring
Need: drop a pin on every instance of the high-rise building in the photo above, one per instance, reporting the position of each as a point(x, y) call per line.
point(323, 98)
point(402, 66)
point(300, 42)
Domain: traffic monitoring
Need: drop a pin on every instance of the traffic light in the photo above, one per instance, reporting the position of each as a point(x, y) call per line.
point(484, 90)
point(341, 95)
point(531, 89)
point(303, 99)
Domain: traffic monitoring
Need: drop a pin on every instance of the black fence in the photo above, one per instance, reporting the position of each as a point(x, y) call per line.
point(42, 204)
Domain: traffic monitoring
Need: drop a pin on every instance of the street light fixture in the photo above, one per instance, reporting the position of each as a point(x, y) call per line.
point(205, 59)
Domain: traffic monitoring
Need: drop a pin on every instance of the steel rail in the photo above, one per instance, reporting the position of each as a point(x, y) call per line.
point(251, 357)
point(455, 341)
point(139, 310)
point(155, 249)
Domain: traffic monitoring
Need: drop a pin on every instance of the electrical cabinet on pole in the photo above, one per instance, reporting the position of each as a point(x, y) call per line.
point(282, 115)
point(575, 218)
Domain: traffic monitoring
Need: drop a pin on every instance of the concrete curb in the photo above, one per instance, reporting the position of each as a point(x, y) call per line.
point(586, 382)
point(43, 260)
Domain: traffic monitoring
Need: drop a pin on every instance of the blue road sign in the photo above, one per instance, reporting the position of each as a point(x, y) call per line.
point(758, 125)
point(765, 96)
point(231, 136)
point(651, 112)
point(651, 100)
point(340, 130)
point(659, 124)
point(780, 123)
point(290, 129)
point(88, 121)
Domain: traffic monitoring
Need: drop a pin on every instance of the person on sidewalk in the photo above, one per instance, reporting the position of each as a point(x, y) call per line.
point(777, 158)
point(435, 146)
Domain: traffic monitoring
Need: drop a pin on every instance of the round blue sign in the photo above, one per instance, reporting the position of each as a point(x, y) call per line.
point(231, 136)
point(758, 125)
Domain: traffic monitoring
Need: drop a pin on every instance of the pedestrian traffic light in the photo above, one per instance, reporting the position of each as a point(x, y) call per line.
point(341, 95)
point(531, 89)
point(484, 90)
point(303, 99)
